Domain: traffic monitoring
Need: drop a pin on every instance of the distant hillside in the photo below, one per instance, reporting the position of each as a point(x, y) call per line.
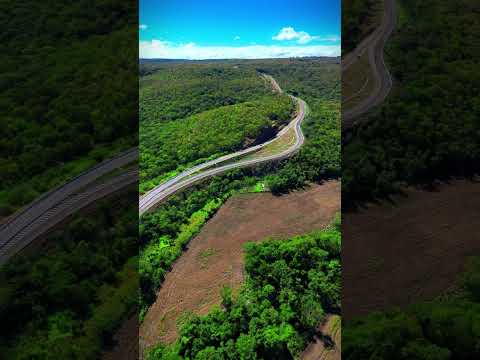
point(147, 66)
point(161, 61)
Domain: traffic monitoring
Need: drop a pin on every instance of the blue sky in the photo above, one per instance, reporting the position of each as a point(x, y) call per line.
point(202, 29)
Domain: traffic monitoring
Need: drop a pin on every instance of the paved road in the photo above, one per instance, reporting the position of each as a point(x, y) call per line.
point(54, 206)
point(191, 176)
point(374, 45)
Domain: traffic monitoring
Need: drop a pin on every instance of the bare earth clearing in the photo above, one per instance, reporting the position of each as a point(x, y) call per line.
point(215, 257)
point(412, 250)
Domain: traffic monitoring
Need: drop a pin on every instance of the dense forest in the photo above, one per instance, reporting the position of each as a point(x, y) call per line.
point(357, 21)
point(318, 78)
point(428, 128)
point(66, 301)
point(166, 146)
point(59, 113)
point(291, 285)
point(441, 329)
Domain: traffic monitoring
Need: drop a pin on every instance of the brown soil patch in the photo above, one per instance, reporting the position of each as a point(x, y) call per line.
point(411, 250)
point(317, 350)
point(215, 257)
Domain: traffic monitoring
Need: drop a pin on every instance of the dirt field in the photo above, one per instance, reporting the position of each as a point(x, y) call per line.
point(215, 257)
point(396, 254)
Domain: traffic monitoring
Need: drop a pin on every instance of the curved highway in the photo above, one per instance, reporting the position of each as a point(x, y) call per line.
point(55, 205)
point(192, 175)
point(374, 45)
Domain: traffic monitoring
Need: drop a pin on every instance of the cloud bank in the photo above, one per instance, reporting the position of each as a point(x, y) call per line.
point(158, 49)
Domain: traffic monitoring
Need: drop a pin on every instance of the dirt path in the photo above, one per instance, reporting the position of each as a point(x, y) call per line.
point(317, 350)
point(215, 257)
point(396, 254)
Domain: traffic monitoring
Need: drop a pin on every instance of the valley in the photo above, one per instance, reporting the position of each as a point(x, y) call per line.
point(192, 242)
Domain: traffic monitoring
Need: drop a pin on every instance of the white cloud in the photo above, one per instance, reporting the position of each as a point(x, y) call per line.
point(236, 38)
point(287, 33)
point(167, 50)
point(143, 27)
point(302, 37)
point(305, 37)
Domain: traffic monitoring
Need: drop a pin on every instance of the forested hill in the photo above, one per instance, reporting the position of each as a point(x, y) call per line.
point(166, 147)
point(192, 112)
point(165, 232)
point(309, 78)
point(60, 113)
point(173, 91)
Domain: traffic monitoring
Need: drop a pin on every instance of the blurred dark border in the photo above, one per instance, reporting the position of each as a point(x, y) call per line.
point(410, 190)
point(69, 179)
